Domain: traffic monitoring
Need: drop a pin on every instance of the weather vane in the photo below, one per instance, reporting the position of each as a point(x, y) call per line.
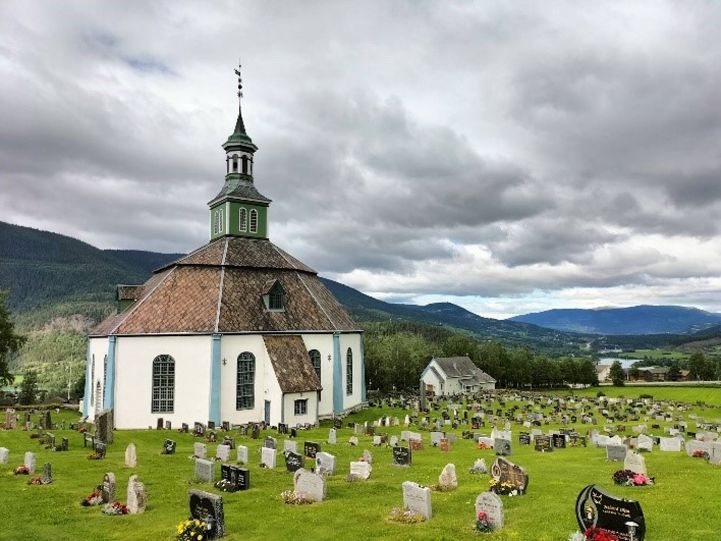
point(240, 82)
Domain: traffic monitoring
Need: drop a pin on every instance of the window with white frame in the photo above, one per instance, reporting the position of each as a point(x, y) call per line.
point(349, 371)
point(301, 406)
point(253, 221)
point(92, 378)
point(314, 355)
point(245, 383)
point(243, 220)
point(163, 398)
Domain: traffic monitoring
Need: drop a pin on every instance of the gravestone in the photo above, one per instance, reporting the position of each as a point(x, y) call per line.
point(200, 450)
point(417, 498)
point(63, 444)
point(47, 474)
point(230, 442)
point(242, 454)
point(159, 424)
point(184, 428)
point(11, 419)
point(436, 438)
point(597, 509)
point(310, 449)
point(332, 437)
point(558, 441)
point(270, 442)
point(168, 426)
point(502, 446)
point(107, 489)
point(524, 438)
point(505, 471)
point(204, 470)
point(325, 463)
point(492, 505)
point(353, 441)
point(635, 462)
point(211, 425)
point(131, 458)
point(293, 461)
point(402, 456)
point(670, 444)
point(4, 454)
point(290, 445)
point(137, 497)
point(393, 442)
point(377, 440)
point(222, 453)
point(416, 445)
point(240, 477)
point(208, 508)
point(267, 457)
point(310, 484)
point(542, 444)
point(29, 462)
point(445, 445)
point(48, 421)
point(169, 447)
point(360, 470)
point(616, 453)
point(367, 456)
point(100, 449)
point(282, 428)
point(448, 480)
point(479, 466)
point(104, 426)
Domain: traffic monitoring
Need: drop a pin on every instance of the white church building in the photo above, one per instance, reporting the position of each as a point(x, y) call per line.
point(237, 331)
point(446, 376)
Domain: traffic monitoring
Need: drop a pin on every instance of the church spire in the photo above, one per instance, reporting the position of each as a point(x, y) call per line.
point(239, 210)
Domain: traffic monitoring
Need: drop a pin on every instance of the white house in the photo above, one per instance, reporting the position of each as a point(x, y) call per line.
point(455, 375)
point(237, 331)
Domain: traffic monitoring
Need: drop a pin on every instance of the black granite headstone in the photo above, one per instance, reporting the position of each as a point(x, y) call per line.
point(159, 425)
point(208, 508)
point(558, 441)
point(402, 456)
point(293, 461)
point(310, 449)
point(169, 447)
point(597, 509)
point(543, 444)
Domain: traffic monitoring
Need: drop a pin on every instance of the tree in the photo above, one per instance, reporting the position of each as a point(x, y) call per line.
point(674, 373)
point(634, 372)
point(697, 366)
point(10, 342)
point(29, 388)
point(618, 376)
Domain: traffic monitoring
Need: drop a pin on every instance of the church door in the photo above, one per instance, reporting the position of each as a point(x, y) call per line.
point(267, 413)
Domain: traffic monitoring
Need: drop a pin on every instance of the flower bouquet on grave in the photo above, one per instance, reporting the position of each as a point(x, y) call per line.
point(226, 486)
point(22, 470)
point(483, 445)
point(36, 480)
point(94, 498)
point(406, 516)
point(502, 488)
point(599, 534)
point(291, 497)
point(483, 523)
point(115, 508)
point(632, 479)
point(700, 453)
point(192, 530)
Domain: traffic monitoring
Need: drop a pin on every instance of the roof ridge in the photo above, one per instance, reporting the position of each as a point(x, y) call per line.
point(141, 301)
point(317, 302)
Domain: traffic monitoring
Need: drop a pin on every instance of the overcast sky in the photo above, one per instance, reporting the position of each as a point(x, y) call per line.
point(507, 156)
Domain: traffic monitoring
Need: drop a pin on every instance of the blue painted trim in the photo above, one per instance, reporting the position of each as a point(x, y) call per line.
point(88, 383)
point(109, 401)
point(337, 376)
point(214, 407)
point(363, 369)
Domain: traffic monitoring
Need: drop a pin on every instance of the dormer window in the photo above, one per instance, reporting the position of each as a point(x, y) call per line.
point(235, 163)
point(245, 164)
point(274, 296)
point(253, 221)
point(243, 220)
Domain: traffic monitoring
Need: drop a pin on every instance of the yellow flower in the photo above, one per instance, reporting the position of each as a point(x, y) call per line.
point(200, 537)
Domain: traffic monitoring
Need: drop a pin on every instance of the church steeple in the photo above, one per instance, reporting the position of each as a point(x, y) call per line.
point(239, 209)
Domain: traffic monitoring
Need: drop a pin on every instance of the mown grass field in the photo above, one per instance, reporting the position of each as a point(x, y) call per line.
point(654, 354)
point(682, 505)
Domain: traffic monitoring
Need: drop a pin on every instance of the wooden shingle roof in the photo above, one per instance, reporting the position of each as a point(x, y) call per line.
point(219, 289)
point(291, 363)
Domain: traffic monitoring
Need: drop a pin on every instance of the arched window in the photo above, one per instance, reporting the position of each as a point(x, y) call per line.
point(163, 384)
point(92, 378)
point(98, 404)
point(105, 376)
point(243, 220)
point(245, 164)
point(314, 355)
point(235, 163)
point(220, 221)
point(253, 221)
point(349, 372)
point(245, 387)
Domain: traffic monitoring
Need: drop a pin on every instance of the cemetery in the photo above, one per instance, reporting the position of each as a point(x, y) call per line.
point(440, 478)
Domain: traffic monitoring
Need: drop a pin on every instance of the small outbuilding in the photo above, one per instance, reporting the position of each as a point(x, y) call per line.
point(455, 375)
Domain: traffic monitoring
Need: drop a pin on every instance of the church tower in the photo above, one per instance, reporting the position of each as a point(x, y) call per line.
point(239, 210)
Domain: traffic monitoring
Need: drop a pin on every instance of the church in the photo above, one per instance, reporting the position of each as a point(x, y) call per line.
point(238, 330)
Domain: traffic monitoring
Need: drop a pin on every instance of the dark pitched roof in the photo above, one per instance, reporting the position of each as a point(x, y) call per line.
point(291, 363)
point(220, 287)
point(240, 188)
point(463, 367)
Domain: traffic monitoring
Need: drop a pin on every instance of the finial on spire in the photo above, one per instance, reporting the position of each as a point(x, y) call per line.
point(240, 82)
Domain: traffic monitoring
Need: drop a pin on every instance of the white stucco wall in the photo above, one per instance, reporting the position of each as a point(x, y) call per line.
point(430, 378)
point(324, 344)
point(352, 341)
point(289, 414)
point(98, 349)
point(134, 373)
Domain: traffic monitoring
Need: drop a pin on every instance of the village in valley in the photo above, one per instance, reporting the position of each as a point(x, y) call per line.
point(194, 380)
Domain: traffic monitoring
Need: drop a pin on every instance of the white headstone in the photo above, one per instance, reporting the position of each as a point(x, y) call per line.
point(407, 420)
point(393, 441)
point(137, 497)
point(310, 484)
point(360, 470)
point(29, 462)
point(204, 470)
point(695, 445)
point(645, 443)
point(367, 456)
point(479, 466)
point(670, 444)
point(715, 455)
point(222, 453)
point(376, 440)
point(267, 457)
point(635, 462)
point(290, 445)
point(448, 479)
point(325, 463)
point(242, 454)
point(131, 457)
point(417, 498)
point(4, 454)
point(200, 450)
point(332, 436)
point(491, 504)
point(353, 440)
point(488, 442)
point(436, 438)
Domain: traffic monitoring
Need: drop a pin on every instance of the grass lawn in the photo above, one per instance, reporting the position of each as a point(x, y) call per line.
point(686, 393)
point(654, 354)
point(682, 505)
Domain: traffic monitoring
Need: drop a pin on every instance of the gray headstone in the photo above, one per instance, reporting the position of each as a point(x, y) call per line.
point(393, 442)
point(325, 463)
point(131, 458)
point(332, 436)
point(107, 489)
point(367, 456)
point(137, 497)
point(200, 450)
point(29, 462)
point(448, 479)
point(47, 473)
point(670, 444)
point(222, 453)
point(204, 470)
point(290, 445)
point(310, 484)
point(417, 498)
point(4, 454)
point(360, 470)
point(270, 442)
point(645, 442)
point(104, 426)
point(242, 454)
point(635, 462)
point(267, 457)
point(616, 453)
point(492, 505)
point(436, 438)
